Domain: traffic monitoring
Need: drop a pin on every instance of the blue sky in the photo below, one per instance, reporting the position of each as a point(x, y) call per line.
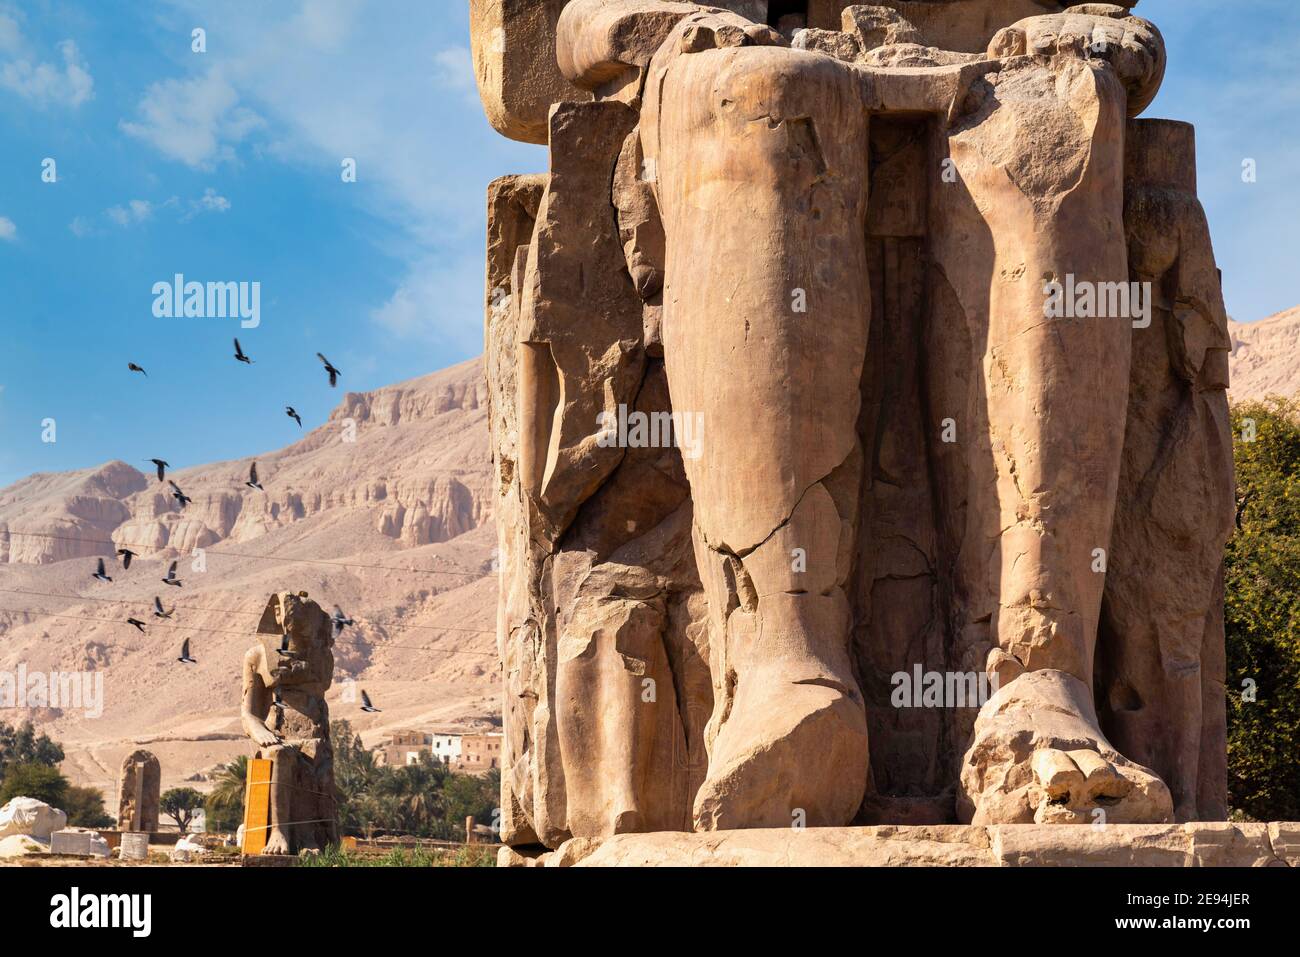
point(225, 166)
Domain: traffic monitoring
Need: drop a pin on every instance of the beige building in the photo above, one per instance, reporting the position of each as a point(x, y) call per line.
point(405, 747)
point(479, 752)
point(468, 751)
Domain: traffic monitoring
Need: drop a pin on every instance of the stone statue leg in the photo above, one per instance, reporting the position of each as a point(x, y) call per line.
point(284, 767)
point(762, 175)
point(1041, 159)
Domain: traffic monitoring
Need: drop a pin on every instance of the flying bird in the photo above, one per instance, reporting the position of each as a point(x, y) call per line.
point(100, 573)
point(185, 658)
point(366, 706)
point(162, 468)
point(138, 624)
point(171, 578)
point(340, 620)
point(158, 611)
point(178, 494)
point(135, 368)
point(289, 411)
point(283, 650)
point(252, 478)
point(239, 354)
point(126, 555)
point(334, 373)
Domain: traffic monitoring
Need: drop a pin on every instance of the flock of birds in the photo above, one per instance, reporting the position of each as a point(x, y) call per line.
point(338, 620)
point(290, 411)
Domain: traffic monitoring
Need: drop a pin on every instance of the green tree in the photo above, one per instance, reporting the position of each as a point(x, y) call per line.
point(470, 795)
point(414, 793)
point(34, 780)
point(355, 778)
point(224, 806)
point(424, 799)
point(23, 746)
point(179, 804)
point(1262, 613)
point(85, 807)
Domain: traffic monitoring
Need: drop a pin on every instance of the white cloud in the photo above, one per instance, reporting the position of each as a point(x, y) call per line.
point(8, 231)
point(197, 121)
point(44, 83)
point(311, 78)
point(453, 69)
point(11, 35)
point(375, 80)
point(135, 211)
point(210, 202)
point(440, 300)
point(324, 24)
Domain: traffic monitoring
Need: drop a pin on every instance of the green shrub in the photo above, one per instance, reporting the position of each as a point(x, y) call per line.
point(1262, 614)
point(468, 856)
point(22, 745)
point(85, 807)
point(39, 781)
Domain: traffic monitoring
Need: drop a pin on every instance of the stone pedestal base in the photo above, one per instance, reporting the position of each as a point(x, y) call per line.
point(1013, 845)
point(78, 842)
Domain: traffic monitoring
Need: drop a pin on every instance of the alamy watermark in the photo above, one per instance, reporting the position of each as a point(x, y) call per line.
point(66, 690)
point(651, 430)
point(1081, 299)
point(73, 910)
point(213, 300)
point(941, 689)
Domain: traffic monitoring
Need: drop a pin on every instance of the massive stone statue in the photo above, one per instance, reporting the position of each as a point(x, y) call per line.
point(138, 787)
point(286, 676)
point(843, 344)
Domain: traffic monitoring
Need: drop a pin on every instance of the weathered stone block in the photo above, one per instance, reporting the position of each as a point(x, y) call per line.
point(78, 842)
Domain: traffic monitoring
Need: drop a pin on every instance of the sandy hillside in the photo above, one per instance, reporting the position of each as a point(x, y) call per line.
point(1265, 356)
point(394, 527)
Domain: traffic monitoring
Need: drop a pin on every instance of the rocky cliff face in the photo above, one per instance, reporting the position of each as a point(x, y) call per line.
point(412, 457)
point(1266, 356)
point(384, 509)
point(51, 517)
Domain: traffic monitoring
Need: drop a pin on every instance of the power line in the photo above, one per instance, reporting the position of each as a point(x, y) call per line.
point(243, 634)
point(264, 558)
point(220, 611)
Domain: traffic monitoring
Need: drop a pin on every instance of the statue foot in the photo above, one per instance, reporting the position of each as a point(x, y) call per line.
point(789, 753)
point(1038, 756)
point(277, 843)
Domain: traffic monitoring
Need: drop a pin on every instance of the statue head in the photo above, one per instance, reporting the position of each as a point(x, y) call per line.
point(294, 628)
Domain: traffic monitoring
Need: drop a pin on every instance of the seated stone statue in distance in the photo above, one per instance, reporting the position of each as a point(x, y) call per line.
point(286, 675)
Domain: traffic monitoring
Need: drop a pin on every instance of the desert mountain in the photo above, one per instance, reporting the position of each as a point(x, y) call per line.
point(1265, 356)
point(384, 510)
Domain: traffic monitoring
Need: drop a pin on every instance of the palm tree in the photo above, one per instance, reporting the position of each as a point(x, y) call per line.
point(228, 791)
point(355, 779)
point(421, 789)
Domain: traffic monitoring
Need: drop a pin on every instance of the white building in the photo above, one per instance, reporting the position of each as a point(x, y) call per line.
point(446, 746)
